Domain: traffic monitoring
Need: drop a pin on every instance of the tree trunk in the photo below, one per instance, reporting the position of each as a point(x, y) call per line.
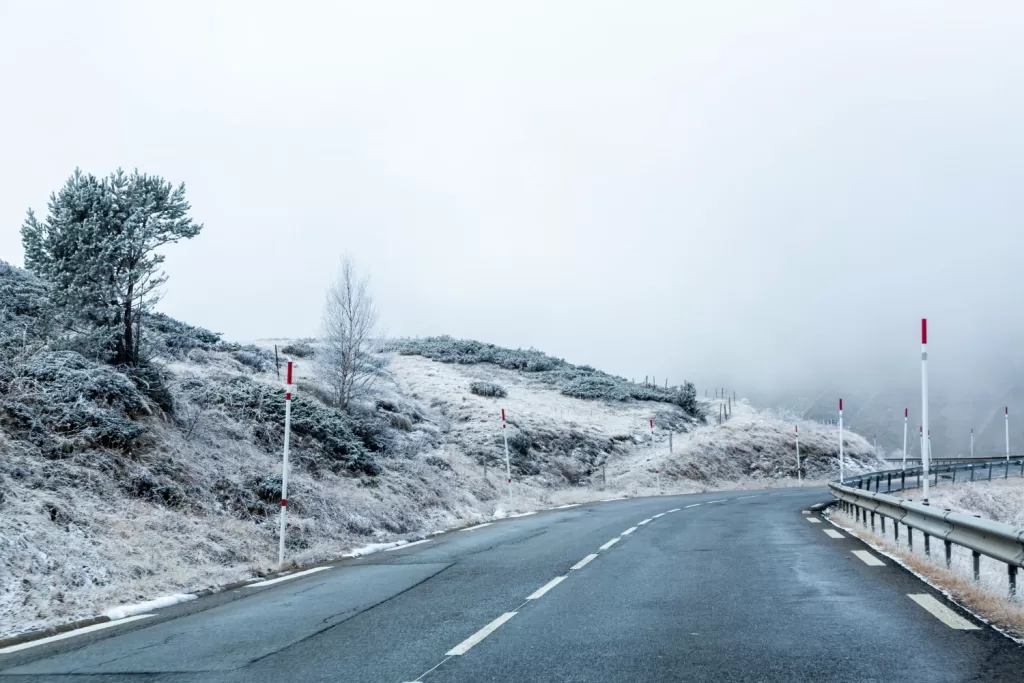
point(129, 344)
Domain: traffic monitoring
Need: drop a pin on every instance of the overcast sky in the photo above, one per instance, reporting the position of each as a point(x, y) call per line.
point(759, 195)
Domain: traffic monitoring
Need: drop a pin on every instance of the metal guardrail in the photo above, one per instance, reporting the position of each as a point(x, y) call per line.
point(996, 540)
point(975, 470)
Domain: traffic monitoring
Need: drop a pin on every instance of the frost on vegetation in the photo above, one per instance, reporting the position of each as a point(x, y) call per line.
point(172, 339)
point(301, 348)
point(577, 381)
point(488, 389)
point(254, 358)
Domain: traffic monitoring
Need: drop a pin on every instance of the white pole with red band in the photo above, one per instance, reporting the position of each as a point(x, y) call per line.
point(926, 455)
point(1008, 432)
point(842, 464)
point(799, 477)
point(652, 431)
point(508, 465)
point(284, 464)
point(906, 413)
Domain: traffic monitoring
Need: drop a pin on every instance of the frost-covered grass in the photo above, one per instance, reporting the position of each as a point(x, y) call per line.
point(1001, 500)
point(987, 597)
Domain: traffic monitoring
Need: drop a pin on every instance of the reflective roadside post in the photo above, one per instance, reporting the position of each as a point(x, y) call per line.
point(508, 466)
point(906, 413)
point(799, 477)
point(842, 464)
point(284, 462)
point(926, 455)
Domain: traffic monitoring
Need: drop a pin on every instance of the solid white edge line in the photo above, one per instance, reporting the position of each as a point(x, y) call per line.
point(644, 522)
point(583, 563)
point(943, 613)
point(660, 514)
point(478, 526)
point(693, 506)
point(281, 579)
point(610, 543)
point(521, 514)
point(545, 588)
point(72, 634)
point(407, 545)
point(464, 647)
point(833, 533)
point(565, 507)
point(628, 531)
point(867, 558)
point(813, 520)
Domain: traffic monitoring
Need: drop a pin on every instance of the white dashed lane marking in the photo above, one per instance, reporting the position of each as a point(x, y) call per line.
point(693, 506)
point(584, 562)
point(675, 509)
point(813, 520)
point(464, 647)
point(545, 588)
point(644, 522)
point(609, 544)
point(833, 533)
point(660, 514)
point(868, 559)
point(72, 634)
point(628, 531)
point(942, 613)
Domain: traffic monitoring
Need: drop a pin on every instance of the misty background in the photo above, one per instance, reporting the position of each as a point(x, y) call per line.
point(764, 197)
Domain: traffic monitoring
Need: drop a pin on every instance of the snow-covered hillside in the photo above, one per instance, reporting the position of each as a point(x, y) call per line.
point(122, 484)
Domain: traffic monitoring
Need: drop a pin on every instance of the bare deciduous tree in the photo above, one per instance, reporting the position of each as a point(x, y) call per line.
point(345, 361)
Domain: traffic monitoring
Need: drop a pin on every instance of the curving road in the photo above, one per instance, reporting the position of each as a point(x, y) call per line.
point(739, 586)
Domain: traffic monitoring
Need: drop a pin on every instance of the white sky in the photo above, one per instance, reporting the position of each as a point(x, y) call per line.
point(759, 195)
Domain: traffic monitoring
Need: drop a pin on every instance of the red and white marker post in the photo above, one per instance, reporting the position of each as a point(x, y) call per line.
point(906, 413)
point(652, 431)
point(508, 465)
point(1007, 433)
point(284, 463)
point(926, 455)
point(799, 477)
point(842, 464)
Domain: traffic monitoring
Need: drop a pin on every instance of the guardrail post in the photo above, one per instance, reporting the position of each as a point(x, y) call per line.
point(972, 472)
point(896, 529)
point(903, 480)
point(1011, 570)
point(949, 553)
point(954, 475)
point(927, 544)
point(990, 471)
point(888, 483)
point(881, 518)
point(910, 538)
point(1007, 475)
point(872, 520)
point(976, 556)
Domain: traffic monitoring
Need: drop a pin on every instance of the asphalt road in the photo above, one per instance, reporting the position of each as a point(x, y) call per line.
point(717, 587)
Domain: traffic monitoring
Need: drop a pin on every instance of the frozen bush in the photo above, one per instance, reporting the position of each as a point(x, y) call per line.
point(26, 314)
point(603, 388)
point(488, 389)
point(302, 348)
point(172, 338)
point(254, 357)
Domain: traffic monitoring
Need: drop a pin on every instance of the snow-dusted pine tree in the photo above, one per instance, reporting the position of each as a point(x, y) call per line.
point(97, 248)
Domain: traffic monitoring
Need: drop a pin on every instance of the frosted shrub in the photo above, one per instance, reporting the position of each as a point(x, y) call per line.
point(26, 315)
point(302, 348)
point(173, 338)
point(254, 357)
point(596, 388)
point(488, 389)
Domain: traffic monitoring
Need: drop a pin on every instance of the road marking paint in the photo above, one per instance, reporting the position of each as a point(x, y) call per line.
point(478, 526)
point(271, 582)
point(675, 509)
point(805, 512)
point(563, 507)
point(583, 563)
point(407, 545)
point(644, 522)
point(464, 647)
point(610, 543)
point(72, 634)
point(813, 520)
point(628, 531)
point(833, 533)
point(868, 559)
point(660, 514)
point(717, 501)
point(608, 500)
point(520, 514)
point(743, 497)
point(545, 588)
point(943, 613)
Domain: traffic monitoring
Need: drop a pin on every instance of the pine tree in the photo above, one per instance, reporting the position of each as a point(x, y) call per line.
point(97, 248)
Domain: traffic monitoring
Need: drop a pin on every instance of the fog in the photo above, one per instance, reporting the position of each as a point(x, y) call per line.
point(762, 196)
